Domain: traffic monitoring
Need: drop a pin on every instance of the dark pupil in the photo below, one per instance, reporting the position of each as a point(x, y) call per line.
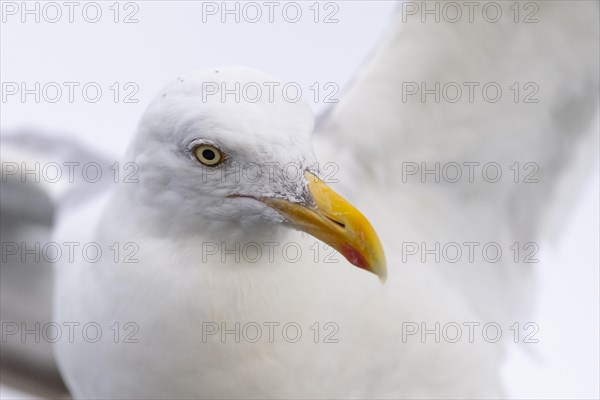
point(208, 154)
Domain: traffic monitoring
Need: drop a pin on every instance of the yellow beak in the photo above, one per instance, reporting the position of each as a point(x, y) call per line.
point(334, 221)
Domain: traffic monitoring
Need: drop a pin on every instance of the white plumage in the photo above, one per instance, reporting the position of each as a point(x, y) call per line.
point(545, 124)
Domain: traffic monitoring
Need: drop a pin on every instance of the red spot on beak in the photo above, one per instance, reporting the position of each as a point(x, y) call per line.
point(354, 257)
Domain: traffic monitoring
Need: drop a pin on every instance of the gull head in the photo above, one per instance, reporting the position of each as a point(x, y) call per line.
point(227, 151)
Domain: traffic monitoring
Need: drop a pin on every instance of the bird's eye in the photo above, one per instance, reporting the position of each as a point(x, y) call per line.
point(208, 155)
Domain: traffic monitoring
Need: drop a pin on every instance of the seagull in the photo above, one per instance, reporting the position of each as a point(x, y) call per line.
point(220, 327)
point(180, 316)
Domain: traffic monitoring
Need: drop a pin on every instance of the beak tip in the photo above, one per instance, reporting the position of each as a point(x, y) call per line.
point(381, 273)
point(383, 277)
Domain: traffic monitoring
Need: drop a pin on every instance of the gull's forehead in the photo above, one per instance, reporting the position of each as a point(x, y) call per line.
point(230, 103)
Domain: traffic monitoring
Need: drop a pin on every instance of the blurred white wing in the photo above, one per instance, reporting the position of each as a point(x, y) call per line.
point(29, 207)
point(428, 100)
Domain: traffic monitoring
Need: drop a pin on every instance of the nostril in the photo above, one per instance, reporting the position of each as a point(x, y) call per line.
point(338, 223)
